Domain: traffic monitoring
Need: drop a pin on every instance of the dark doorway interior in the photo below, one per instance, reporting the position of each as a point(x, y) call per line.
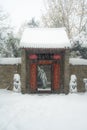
point(44, 77)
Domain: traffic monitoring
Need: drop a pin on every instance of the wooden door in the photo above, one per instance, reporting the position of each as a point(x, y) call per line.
point(56, 77)
point(33, 77)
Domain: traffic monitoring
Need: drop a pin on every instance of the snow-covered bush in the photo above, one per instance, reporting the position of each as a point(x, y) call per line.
point(85, 81)
point(16, 83)
point(79, 45)
point(73, 84)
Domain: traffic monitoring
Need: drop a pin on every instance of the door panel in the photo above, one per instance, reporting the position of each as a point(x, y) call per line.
point(33, 77)
point(56, 76)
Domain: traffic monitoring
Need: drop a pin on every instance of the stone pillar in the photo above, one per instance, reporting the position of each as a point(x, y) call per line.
point(23, 72)
point(66, 71)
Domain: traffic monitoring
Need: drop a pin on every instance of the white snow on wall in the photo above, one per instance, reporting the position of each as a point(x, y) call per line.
point(72, 61)
point(8, 61)
point(44, 38)
point(77, 61)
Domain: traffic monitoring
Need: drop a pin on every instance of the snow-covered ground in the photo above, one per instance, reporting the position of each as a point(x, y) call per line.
point(42, 111)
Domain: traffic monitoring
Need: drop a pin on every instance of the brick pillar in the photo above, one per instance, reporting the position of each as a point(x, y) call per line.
point(23, 72)
point(66, 71)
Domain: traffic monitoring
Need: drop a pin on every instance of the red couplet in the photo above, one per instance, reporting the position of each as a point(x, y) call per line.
point(56, 76)
point(33, 77)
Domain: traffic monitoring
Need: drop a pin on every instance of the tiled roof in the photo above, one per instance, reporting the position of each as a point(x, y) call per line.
point(44, 38)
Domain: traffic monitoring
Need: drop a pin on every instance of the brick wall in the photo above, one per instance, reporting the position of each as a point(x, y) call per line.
point(6, 75)
point(81, 72)
point(7, 72)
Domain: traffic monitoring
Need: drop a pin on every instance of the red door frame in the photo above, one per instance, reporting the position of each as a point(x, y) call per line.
point(55, 78)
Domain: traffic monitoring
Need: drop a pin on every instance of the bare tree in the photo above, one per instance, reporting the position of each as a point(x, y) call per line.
point(71, 14)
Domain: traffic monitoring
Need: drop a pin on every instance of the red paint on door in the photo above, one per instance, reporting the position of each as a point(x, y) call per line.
point(33, 77)
point(56, 76)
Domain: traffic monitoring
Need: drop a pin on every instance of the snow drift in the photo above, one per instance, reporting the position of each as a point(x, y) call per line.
point(42, 112)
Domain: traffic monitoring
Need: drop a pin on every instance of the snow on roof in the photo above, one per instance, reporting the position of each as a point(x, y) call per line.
point(10, 61)
point(44, 38)
point(77, 61)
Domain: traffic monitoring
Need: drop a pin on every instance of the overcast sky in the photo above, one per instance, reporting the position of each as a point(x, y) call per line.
point(21, 10)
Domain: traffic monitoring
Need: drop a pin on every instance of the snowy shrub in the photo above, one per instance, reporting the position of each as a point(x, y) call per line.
point(73, 84)
point(79, 45)
point(85, 81)
point(16, 83)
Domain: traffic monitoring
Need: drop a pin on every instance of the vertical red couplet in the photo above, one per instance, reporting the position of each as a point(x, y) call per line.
point(56, 76)
point(33, 77)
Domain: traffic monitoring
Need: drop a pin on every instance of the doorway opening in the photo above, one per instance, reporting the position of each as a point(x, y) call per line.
point(44, 77)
